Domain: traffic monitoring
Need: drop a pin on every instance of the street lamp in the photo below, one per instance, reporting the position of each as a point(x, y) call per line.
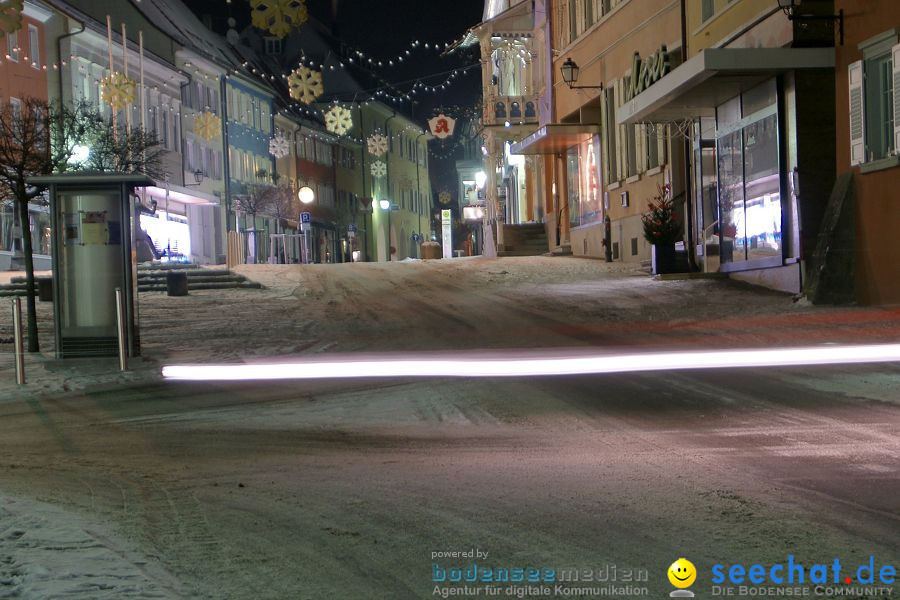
point(306, 195)
point(386, 205)
point(790, 10)
point(570, 71)
point(480, 178)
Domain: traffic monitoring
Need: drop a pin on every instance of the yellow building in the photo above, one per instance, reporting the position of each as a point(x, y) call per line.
point(393, 173)
point(755, 99)
point(600, 173)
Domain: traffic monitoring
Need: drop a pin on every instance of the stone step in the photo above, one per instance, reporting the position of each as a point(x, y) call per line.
point(203, 286)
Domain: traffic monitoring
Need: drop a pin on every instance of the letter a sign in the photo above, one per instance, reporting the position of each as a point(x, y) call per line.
point(441, 126)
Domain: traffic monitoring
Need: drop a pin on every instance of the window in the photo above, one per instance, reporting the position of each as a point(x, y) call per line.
point(573, 20)
point(273, 45)
point(165, 128)
point(707, 9)
point(189, 154)
point(588, 13)
point(874, 86)
point(12, 46)
point(34, 47)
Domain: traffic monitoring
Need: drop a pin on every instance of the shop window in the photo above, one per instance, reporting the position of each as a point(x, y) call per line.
point(874, 86)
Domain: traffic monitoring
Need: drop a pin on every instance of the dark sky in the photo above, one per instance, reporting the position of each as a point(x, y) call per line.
point(384, 29)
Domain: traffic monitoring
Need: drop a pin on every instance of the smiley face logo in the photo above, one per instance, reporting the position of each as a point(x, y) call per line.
point(682, 573)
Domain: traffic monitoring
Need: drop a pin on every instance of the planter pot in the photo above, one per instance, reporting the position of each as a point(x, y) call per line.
point(663, 259)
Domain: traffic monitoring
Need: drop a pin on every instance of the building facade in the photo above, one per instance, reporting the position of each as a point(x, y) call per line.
point(867, 105)
point(752, 99)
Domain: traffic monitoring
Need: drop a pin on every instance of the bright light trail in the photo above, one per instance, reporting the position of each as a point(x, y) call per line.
point(522, 363)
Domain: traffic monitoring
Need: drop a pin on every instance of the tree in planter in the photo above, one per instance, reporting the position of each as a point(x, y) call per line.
point(257, 200)
point(662, 228)
point(39, 138)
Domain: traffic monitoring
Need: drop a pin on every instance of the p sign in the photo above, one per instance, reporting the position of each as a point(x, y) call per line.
point(305, 221)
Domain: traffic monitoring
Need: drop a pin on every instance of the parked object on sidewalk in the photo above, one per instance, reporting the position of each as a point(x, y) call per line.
point(662, 228)
point(45, 289)
point(431, 250)
point(176, 283)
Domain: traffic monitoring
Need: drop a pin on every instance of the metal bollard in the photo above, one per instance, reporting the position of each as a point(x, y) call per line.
point(18, 341)
point(120, 328)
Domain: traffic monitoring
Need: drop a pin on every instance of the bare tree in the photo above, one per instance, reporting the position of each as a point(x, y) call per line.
point(257, 200)
point(38, 138)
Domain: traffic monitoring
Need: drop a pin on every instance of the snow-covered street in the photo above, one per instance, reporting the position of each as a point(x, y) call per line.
point(125, 486)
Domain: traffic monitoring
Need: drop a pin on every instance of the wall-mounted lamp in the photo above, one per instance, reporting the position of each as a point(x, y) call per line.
point(790, 10)
point(570, 71)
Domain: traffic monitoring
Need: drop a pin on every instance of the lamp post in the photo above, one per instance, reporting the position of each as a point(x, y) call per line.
point(386, 205)
point(789, 7)
point(306, 195)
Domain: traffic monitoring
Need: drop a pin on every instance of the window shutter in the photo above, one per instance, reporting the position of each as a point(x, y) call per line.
point(857, 114)
point(895, 55)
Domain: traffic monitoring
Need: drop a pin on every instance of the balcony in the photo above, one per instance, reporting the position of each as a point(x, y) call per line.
point(515, 109)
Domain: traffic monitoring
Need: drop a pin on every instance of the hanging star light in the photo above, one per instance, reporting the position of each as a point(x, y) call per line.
point(207, 125)
point(338, 120)
point(444, 197)
point(305, 84)
point(117, 90)
point(11, 16)
point(379, 169)
point(278, 17)
point(378, 144)
point(279, 146)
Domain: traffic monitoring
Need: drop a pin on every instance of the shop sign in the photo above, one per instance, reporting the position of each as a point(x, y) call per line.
point(646, 72)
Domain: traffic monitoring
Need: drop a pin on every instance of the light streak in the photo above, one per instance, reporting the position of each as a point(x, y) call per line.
point(521, 363)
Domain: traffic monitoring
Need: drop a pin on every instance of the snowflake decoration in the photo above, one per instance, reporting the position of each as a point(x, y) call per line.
point(338, 120)
point(279, 147)
point(117, 90)
point(278, 17)
point(379, 169)
point(378, 144)
point(207, 125)
point(444, 197)
point(11, 16)
point(305, 84)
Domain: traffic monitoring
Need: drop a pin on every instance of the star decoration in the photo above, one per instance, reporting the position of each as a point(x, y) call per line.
point(338, 120)
point(379, 169)
point(305, 84)
point(279, 146)
point(278, 17)
point(11, 16)
point(378, 144)
point(207, 125)
point(117, 90)
point(444, 197)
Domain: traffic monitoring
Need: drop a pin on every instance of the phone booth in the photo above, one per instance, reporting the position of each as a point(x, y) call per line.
point(93, 221)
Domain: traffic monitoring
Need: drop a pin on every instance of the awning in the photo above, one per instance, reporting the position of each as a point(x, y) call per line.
point(555, 138)
point(714, 76)
point(181, 194)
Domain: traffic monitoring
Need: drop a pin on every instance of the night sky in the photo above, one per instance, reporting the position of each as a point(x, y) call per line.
point(385, 28)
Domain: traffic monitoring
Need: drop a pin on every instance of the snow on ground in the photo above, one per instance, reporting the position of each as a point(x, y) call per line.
point(199, 481)
point(46, 552)
point(461, 304)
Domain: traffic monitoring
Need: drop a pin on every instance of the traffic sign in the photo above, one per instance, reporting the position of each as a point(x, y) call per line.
point(305, 221)
point(351, 228)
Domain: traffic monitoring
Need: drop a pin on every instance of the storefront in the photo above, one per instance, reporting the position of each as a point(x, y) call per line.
point(183, 226)
point(743, 109)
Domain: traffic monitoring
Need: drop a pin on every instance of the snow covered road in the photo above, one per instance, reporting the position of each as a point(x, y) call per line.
point(339, 489)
